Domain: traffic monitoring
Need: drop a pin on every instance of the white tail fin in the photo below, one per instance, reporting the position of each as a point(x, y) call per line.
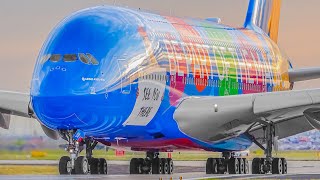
point(264, 14)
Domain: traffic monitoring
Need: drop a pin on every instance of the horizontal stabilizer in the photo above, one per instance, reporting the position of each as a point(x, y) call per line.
point(304, 74)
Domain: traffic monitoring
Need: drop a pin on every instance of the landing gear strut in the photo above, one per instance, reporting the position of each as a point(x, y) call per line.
point(152, 164)
point(75, 164)
point(268, 164)
point(228, 164)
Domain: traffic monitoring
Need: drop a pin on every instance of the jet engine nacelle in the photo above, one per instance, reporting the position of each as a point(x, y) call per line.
point(213, 119)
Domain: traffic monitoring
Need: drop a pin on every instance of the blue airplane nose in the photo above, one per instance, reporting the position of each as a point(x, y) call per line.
point(79, 63)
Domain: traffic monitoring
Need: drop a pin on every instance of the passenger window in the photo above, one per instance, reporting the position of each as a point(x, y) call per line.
point(70, 57)
point(55, 57)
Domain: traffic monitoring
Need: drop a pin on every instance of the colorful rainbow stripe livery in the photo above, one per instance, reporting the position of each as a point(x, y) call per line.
point(146, 64)
point(148, 82)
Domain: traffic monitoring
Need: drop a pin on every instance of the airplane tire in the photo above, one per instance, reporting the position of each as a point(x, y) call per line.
point(222, 165)
point(171, 166)
point(209, 166)
point(233, 166)
point(103, 166)
point(140, 165)
point(165, 166)
point(241, 166)
point(256, 166)
point(65, 165)
point(277, 166)
point(215, 165)
point(284, 166)
point(246, 166)
point(134, 166)
point(156, 166)
point(94, 166)
point(81, 165)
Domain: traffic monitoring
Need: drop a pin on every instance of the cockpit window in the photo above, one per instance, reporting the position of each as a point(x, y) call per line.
point(92, 59)
point(83, 58)
point(55, 57)
point(70, 57)
point(45, 58)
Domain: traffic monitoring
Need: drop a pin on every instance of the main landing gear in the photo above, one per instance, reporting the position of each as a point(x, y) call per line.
point(152, 164)
point(75, 164)
point(232, 165)
point(268, 164)
point(227, 164)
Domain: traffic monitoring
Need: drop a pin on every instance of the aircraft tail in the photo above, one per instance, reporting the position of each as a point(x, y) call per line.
point(264, 14)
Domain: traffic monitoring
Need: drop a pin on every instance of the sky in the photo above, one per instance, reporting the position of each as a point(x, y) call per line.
point(26, 24)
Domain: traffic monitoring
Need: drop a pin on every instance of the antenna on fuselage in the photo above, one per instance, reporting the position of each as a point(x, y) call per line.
point(114, 2)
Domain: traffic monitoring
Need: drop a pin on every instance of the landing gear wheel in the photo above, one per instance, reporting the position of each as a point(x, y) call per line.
point(165, 166)
point(209, 166)
point(221, 165)
point(212, 166)
point(284, 166)
point(170, 164)
point(156, 166)
point(241, 166)
point(277, 166)
point(246, 166)
point(134, 166)
point(257, 166)
point(233, 166)
point(65, 166)
point(81, 165)
point(94, 166)
point(103, 166)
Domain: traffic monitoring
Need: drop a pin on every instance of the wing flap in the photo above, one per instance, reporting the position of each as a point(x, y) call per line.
point(283, 100)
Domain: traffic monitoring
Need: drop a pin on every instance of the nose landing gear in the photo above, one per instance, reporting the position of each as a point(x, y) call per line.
point(75, 164)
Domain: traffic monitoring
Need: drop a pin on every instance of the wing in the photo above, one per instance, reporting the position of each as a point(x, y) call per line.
point(18, 104)
point(217, 118)
point(13, 103)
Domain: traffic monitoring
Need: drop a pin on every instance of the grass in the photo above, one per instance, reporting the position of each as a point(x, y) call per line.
point(183, 156)
point(23, 170)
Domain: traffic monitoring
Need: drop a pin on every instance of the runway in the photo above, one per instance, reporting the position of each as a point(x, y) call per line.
point(187, 170)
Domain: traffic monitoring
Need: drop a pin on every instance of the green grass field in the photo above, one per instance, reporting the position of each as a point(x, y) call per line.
point(28, 170)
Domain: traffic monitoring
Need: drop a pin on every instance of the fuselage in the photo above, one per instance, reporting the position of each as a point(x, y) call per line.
point(118, 75)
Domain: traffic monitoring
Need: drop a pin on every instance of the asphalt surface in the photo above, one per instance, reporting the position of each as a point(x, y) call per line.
point(183, 169)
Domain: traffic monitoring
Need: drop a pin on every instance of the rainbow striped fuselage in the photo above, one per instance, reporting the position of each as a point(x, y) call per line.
point(118, 75)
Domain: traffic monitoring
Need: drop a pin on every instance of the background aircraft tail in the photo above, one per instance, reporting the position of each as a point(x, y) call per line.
point(264, 14)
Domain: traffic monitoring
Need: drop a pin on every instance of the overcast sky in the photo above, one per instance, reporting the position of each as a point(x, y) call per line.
point(26, 24)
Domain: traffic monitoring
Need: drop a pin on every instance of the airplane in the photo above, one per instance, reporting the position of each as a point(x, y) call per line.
point(154, 83)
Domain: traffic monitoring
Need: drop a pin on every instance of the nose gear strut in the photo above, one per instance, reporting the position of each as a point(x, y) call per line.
point(75, 164)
